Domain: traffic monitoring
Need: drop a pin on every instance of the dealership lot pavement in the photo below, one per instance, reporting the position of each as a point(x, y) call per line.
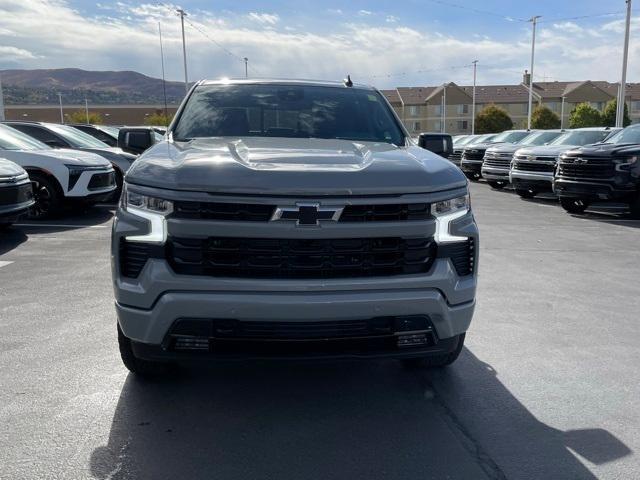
point(547, 387)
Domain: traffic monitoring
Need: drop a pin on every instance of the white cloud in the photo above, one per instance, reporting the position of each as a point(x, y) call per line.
point(364, 13)
point(264, 18)
point(12, 54)
point(392, 19)
point(335, 11)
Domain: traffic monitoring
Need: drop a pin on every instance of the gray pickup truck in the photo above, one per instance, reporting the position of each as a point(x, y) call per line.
point(291, 219)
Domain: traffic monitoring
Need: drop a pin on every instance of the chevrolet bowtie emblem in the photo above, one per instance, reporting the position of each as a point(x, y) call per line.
point(307, 214)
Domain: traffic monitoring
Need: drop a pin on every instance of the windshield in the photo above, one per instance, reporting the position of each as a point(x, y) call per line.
point(75, 137)
point(288, 111)
point(12, 139)
point(539, 138)
point(628, 135)
point(466, 140)
point(510, 136)
point(581, 137)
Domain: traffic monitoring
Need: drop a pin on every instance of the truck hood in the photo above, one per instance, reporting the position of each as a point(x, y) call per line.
point(545, 150)
point(504, 148)
point(481, 146)
point(63, 155)
point(606, 150)
point(292, 166)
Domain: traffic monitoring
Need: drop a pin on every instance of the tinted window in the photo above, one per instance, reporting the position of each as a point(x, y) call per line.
point(288, 111)
point(42, 134)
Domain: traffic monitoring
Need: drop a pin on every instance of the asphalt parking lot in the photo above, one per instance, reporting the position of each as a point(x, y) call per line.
point(547, 387)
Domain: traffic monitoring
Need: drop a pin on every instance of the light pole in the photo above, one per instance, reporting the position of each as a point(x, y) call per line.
point(562, 113)
point(444, 108)
point(164, 85)
point(1, 101)
point(623, 81)
point(86, 109)
point(246, 67)
point(60, 100)
point(533, 20)
point(182, 14)
point(473, 102)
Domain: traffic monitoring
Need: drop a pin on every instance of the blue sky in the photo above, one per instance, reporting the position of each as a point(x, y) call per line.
point(386, 43)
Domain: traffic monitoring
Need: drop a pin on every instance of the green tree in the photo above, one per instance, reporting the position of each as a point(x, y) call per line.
point(609, 114)
point(584, 115)
point(493, 119)
point(542, 117)
point(80, 116)
point(159, 119)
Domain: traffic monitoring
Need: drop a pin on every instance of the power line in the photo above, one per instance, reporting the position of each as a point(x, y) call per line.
point(477, 10)
point(414, 72)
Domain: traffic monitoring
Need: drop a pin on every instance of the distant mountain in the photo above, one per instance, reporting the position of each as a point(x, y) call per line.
point(126, 87)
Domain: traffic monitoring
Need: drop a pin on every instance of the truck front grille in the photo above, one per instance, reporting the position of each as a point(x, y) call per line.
point(473, 155)
point(246, 212)
point(14, 194)
point(533, 167)
point(456, 156)
point(597, 168)
point(498, 161)
point(300, 258)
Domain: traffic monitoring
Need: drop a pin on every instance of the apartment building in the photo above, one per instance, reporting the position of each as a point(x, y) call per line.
point(421, 108)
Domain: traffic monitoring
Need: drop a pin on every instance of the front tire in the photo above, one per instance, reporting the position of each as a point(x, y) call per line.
point(47, 195)
point(138, 366)
point(526, 192)
point(634, 207)
point(474, 177)
point(574, 205)
point(497, 184)
point(435, 361)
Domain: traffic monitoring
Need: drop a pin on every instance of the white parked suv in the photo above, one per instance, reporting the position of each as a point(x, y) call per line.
point(57, 176)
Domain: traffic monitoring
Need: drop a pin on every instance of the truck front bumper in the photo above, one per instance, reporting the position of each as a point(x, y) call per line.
point(495, 173)
point(593, 190)
point(539, 182)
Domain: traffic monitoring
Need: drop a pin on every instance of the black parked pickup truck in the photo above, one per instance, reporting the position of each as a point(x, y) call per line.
point(608, 171)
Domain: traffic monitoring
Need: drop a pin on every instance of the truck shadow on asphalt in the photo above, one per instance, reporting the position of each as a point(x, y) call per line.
point(338, 420)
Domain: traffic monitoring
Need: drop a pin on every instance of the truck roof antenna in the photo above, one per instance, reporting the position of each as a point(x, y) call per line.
point(347, 81)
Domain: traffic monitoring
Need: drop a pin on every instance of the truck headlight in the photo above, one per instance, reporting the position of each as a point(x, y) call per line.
point(447, 211)
point(153, 209)
point(625, 163)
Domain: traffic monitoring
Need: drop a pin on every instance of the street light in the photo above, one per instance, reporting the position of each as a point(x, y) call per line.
point(473, 104)
point(60, 100)
point(623, 81)
point(534, 21)
point(182, 14)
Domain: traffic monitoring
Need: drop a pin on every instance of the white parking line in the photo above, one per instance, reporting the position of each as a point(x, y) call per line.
point(4, 263)
point(56, 225)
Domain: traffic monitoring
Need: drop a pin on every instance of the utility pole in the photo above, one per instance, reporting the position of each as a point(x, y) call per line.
point(473, 104)
point(60, 100)
point(623, 81)
point(182, 14)
point(86, 109)
point(562, 113)
point(164, 84)
point(533, 20)
point(1, 102)
point(246, 67)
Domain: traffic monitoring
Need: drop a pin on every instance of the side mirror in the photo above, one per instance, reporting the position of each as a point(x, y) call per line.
point(136, 140)
point(438, 143)
point(54, 143)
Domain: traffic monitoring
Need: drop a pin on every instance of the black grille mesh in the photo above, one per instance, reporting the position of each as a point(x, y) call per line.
point(298, 258)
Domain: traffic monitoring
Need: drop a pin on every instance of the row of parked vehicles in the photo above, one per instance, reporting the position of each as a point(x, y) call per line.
point(581, 166)
point(47, 166)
